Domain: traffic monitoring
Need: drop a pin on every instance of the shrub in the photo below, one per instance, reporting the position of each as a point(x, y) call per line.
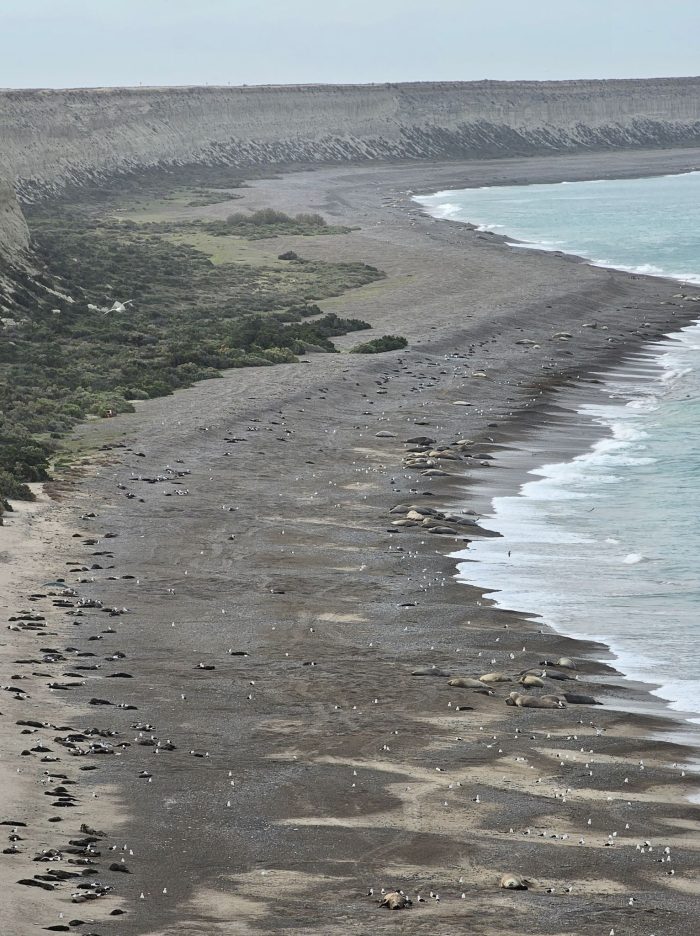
point(11, 488)
point(311, 220)
point(378, 345)
point(267, 223)
point(265, 216)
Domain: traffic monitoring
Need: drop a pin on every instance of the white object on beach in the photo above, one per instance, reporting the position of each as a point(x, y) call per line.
point(117, 306)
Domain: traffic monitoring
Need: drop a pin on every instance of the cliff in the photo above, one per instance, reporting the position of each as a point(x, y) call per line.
point(51, 139)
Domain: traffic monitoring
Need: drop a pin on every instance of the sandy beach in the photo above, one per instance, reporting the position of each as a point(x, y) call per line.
point(238, 724)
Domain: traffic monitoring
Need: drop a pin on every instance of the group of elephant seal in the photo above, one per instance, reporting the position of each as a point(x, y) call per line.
point(527, 701)
point(560, 700)
point(527, 679)
point(397, 900)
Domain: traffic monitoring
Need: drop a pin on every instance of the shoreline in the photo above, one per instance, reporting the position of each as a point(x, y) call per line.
point(307, 573)
point(513, 241)
point(624, 369)
point(573, 421)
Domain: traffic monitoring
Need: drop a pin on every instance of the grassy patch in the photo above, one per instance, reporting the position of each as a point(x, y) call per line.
point(227, 249)
point(259, 225)
point(270, 223)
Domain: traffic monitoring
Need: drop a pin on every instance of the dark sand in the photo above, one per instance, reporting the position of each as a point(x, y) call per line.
point(343, 772)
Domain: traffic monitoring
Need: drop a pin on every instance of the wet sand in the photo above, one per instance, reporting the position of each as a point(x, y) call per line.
point(270, 615)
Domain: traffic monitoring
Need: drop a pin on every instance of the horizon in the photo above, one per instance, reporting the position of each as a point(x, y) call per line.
point(351, 84)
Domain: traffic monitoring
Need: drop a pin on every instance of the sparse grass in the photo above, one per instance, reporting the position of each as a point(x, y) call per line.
point(227, 249)
point(204, 198)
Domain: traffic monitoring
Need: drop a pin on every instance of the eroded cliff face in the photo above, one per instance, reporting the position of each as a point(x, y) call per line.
point(14, 241)
point(14, 235)
point(53, 139)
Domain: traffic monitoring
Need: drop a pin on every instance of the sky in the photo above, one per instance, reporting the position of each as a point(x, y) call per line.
point(89, 43)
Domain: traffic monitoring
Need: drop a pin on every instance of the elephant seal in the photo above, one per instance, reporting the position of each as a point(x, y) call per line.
point(574, 698)
point(548, 702)
point(554, 674)
point(400, 509)
point(494, 677)
point(395, 900)
point(474, 684)
point(514, 882)
point(563, 662)
point(416, 515)
point(430, 671)
point(466, 682)
point(530, 681)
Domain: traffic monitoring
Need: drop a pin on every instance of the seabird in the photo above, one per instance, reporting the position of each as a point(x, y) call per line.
point(118, 306)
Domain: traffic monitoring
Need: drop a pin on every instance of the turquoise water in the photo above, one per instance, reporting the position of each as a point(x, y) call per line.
point(607, 545)
point(644, 225)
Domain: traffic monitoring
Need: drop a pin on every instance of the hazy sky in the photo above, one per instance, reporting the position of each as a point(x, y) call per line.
point(70, 43)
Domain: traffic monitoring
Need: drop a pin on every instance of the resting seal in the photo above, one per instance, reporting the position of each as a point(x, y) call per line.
point(430, 671)
point(474, 684)
point(466, 682)
point(530, 681)
point(573, 698)
point(563, 662)
point(514, 882)
point(554, 674)
point(494, 677)
point(395, 900)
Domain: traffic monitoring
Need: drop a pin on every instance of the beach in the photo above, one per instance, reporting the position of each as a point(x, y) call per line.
point(277, 759)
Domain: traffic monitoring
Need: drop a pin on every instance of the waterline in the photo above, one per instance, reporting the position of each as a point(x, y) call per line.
point(606, 545)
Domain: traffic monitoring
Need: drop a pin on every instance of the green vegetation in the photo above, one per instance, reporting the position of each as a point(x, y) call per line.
point(202, 198)
point(270, 223)
point(258, 225)
point(64, 357)
point(377, 345)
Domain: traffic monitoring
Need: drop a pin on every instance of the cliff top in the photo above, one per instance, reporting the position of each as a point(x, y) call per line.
point(486, 83)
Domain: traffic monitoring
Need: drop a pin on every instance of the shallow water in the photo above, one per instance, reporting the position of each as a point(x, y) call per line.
point(607, 545)
point(644, 225)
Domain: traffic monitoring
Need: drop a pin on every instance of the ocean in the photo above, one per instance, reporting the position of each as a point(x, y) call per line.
point(606, 545)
